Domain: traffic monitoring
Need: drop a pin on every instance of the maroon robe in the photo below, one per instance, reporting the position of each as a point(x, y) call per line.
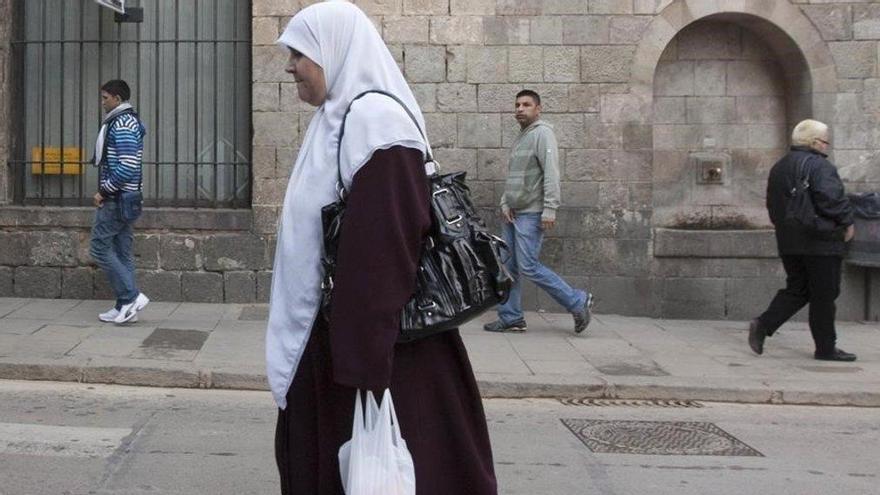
point(431, 380)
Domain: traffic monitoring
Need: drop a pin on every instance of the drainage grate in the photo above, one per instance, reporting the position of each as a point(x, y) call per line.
point(657, 438)
point(586, 401)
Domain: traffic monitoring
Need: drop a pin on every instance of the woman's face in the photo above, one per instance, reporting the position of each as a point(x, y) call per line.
point(309, 77)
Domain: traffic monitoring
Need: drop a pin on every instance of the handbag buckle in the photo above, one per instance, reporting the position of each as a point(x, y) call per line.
point(454, 220)
point(449, 221)
point(431, 305)
point(327, 284)
point(340, 190)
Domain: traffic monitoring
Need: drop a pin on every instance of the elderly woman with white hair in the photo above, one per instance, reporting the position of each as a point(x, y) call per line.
point(811, 257)
point(315, 365)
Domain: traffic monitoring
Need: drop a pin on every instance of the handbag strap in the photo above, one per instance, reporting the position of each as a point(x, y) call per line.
point(799, 172)
point(428, 155)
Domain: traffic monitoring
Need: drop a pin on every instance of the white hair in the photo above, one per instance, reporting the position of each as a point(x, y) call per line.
point(807, 131)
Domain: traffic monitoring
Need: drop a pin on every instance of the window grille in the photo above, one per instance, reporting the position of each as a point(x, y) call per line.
point(188, 65)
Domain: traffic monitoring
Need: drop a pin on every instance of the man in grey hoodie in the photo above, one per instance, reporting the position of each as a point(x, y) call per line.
point(528, 208)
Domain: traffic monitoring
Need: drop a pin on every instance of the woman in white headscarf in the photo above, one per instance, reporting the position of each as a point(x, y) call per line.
point(314, 367)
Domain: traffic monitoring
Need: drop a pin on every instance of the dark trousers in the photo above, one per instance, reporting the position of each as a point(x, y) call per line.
point(813, 280)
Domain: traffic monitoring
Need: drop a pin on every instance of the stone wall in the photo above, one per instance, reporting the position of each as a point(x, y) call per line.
point(180, 255)
point(633, 88)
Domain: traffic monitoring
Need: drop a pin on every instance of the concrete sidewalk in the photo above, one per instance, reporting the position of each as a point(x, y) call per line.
point(221, 346)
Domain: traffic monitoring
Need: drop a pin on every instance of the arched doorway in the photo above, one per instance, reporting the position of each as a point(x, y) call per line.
point(721, 83)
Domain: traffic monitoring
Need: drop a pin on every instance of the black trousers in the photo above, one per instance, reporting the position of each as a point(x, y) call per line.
point(813, 280)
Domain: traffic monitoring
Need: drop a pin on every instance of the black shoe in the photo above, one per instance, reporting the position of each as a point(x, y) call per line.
point(756, 336)
point(837, 355)
point(500, 326)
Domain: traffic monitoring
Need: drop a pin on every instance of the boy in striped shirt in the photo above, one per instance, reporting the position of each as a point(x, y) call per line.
point(119, 154)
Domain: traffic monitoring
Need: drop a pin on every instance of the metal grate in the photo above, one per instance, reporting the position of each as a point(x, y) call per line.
point(188, 64)
point(586, 401)
point(657, 438)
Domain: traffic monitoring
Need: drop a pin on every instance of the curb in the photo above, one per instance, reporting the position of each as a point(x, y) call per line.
point(489, 389)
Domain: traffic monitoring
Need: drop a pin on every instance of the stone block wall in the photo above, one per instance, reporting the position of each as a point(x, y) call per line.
point(633, 88)
point(171, 266)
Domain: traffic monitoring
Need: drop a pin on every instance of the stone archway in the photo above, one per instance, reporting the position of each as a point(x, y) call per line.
point(722, 111)
point(705, 272)
point(800, 69)
point(782, 25)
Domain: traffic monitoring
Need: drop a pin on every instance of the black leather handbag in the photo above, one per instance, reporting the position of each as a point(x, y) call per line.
point(461, 273)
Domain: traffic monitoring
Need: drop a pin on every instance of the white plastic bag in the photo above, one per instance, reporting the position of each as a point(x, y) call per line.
point(376, 461)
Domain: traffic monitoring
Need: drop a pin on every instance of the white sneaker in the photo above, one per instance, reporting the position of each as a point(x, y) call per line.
point(111, 315)
point(130, 310)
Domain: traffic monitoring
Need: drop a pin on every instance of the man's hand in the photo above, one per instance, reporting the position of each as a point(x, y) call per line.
point(99, 200)
point(508, 215)
point(850, 233)
point(547, 224)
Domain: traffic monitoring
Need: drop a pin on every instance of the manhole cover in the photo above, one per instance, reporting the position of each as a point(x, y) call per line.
point(657, 438)
point(181, 340)
point(254, 313)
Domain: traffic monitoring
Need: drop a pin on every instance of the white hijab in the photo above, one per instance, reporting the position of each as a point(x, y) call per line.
point(341, 39)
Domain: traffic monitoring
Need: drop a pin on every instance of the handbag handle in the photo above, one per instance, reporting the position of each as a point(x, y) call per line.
point(340, 182)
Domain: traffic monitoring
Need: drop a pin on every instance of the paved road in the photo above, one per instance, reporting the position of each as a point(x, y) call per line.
point(60, 438)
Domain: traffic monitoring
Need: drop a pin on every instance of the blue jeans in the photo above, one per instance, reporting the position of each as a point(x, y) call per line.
point(524, 237)
point(111, 246)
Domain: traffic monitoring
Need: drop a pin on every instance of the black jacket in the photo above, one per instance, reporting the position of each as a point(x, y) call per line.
point(826, 191)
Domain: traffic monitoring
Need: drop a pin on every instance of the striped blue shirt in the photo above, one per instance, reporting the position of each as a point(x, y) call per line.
point(122, 165)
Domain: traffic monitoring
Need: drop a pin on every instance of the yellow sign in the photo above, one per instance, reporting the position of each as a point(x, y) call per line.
point(52, 165)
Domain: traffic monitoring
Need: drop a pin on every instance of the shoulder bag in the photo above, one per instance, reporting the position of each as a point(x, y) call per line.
point(461, 273)
point(800, 211)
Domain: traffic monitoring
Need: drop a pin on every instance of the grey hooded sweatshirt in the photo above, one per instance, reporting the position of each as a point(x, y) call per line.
point(533, 172)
